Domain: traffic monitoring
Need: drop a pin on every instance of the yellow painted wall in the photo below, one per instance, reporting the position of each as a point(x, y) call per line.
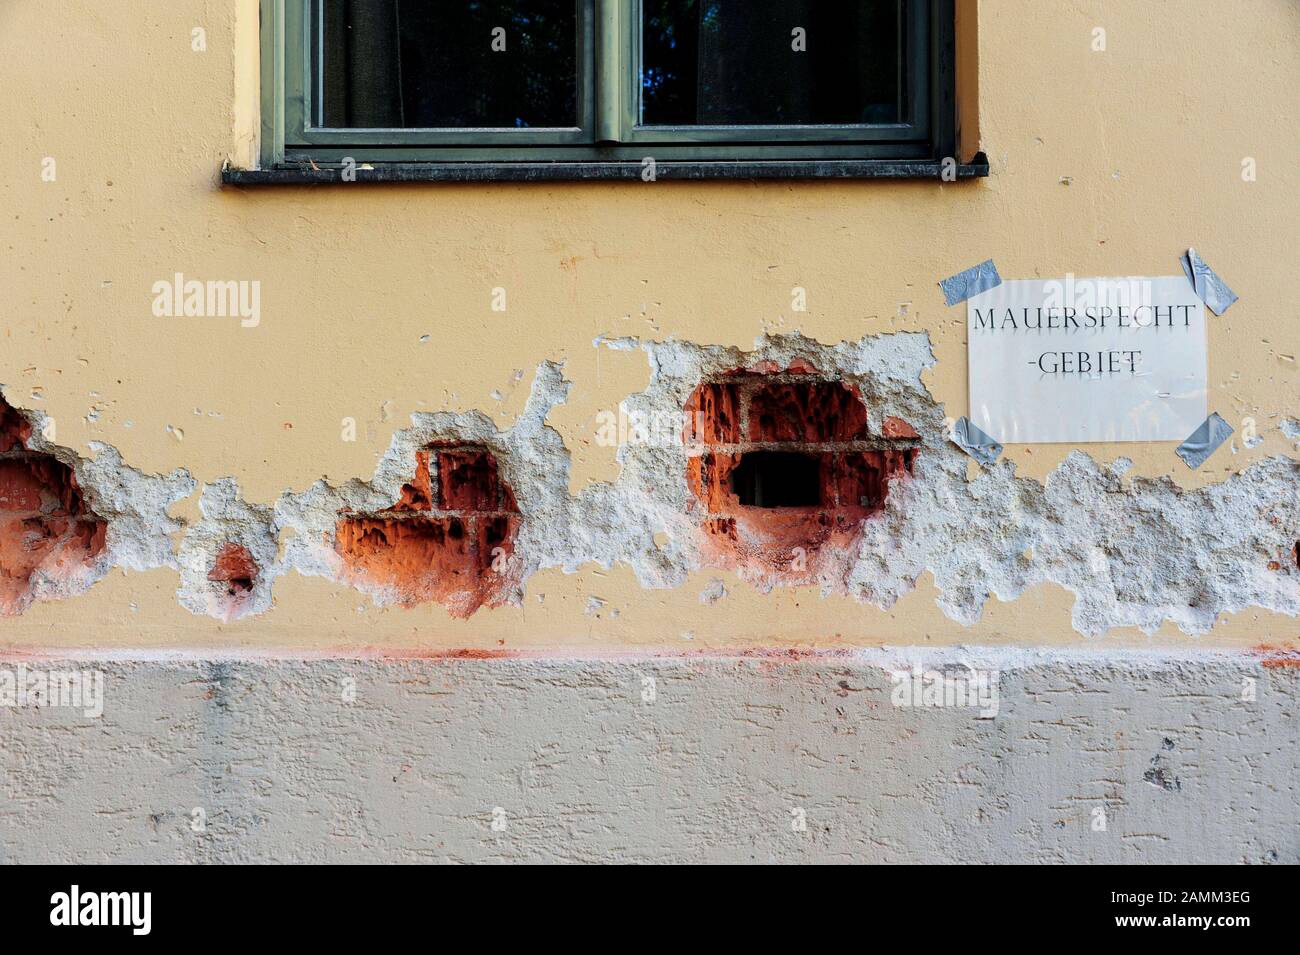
point(1102, 163)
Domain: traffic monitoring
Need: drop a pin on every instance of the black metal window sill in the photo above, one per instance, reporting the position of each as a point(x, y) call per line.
point(305, 174)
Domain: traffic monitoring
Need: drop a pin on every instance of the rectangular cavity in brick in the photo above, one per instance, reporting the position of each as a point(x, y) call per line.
point(780, 479)
point(467, 481)
point(788, 464)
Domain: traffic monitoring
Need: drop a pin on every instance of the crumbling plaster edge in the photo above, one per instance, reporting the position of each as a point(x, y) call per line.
point(614, 522)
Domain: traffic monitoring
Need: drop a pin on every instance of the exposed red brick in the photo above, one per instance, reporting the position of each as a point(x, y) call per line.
point(20, 488)
point(788, 422)
point(45, 525)
point(709, 477)
point(496, 539)
point(456, 550)
point(233, 574)
point(508, 502)
point(418, 495)
point(14, 428)
point(812, 411)
point(713, 414)
point(467, 481)
point(897, 428)
point(860, 479)
point(721, 528)
point(434, 554)
point(32, 481)
point(235, 568)
point(801, 366)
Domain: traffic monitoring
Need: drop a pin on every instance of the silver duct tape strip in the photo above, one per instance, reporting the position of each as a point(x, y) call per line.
point(1204, 441)
point(975, 442)
point(1210, 289)
point(976, 279)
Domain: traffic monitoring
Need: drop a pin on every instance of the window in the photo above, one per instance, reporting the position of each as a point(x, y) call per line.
point(595, 87)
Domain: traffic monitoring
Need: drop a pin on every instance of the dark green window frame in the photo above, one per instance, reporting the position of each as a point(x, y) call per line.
point(608, 143)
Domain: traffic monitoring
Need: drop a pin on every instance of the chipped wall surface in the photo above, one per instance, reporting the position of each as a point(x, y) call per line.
point(575, 761)
point(288, 439)
point(630, 296)
point(706, 439)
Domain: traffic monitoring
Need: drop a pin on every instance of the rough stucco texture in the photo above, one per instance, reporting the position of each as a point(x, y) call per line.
point(202, 490)
point(464, 513)
point(377, 332)
point(585, 769)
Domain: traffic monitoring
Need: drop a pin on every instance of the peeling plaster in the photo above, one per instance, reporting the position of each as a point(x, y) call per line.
point(227, 519)
point(1134, 552)
point(531, 458)
point(133, 505)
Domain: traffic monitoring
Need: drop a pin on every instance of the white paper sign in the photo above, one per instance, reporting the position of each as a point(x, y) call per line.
point(1075, 360)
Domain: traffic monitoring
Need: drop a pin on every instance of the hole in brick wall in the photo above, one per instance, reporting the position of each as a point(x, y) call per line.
point(14, 428)
point(46, 527)
point(778, 479)
point(783, 462)
point(452, 544)
point(235, 569)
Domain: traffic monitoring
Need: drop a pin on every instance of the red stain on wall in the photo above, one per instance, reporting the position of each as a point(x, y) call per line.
point(456, 549)
point(1278, 658)
point(46, 528)
point(784, 467)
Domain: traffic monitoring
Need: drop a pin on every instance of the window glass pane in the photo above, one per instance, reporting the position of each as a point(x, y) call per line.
point(445, 63)
point(771, 62)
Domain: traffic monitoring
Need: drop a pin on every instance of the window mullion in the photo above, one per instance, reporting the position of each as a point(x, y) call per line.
point(613, 21)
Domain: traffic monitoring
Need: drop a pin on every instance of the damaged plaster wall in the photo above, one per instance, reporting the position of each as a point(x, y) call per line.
point(580, 767)
point(403, 322)
point(45, 487)
point(1135, 553)
point(216, 461)
point(244, 535)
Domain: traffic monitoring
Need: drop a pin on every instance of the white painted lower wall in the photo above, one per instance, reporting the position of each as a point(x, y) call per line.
point(718, 759)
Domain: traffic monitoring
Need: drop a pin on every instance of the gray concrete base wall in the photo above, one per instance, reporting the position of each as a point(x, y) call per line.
point(660, 759)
